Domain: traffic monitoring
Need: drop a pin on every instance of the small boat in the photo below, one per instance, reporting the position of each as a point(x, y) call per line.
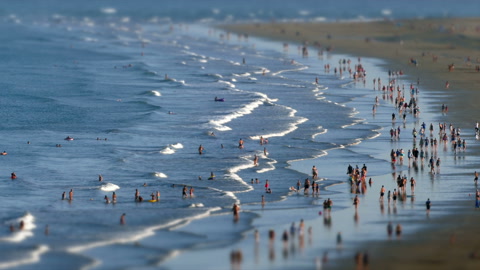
point(219, 99)
point(68, 138)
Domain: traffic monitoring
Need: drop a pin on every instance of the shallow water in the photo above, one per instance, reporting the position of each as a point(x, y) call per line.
point(137, 95)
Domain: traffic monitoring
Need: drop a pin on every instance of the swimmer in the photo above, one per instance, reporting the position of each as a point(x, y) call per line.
point(114, 197)
point(107, 200)
point(240, 144)
point(70, 195)
point(184, 192)
point(122, 219)
point(63, 195)
point(100, 178)
point(200, 149)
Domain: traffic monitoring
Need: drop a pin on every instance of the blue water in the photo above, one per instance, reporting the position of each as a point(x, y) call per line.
point(134, 84)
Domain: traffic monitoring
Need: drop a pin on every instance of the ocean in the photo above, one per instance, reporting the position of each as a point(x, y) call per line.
point(134, 84)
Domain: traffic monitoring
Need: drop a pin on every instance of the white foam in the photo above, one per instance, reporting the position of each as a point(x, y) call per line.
point(109, 187)
point(160, 175)
point(193, 205)
point(156, 93)
point(177, 145)
point(323, 131)
point(167, 151)
point(20, 235)
point(292, 126)
point(144, 233)
point(32, 258)
point(246, 74)
point(289, 70)
point(108, 10)
point(270, 167)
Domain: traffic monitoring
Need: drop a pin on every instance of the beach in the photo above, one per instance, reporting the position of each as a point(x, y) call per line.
point(433, 44)
point(136, 135)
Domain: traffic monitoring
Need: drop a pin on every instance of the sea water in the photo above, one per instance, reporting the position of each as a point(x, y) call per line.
point(134, 84)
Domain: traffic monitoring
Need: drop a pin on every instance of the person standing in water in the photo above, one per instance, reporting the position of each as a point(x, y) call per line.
point(122, 219)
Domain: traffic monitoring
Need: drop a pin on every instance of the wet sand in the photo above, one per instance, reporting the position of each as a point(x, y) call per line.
point(448, 241)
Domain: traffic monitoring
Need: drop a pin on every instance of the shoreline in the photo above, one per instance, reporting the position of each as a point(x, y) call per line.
point(433, 74)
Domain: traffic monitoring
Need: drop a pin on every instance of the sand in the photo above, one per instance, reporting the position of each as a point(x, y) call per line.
point(433, 44)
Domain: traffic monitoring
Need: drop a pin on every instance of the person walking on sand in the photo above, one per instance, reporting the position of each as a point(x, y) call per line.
point(398, 230)
point(356, 201)
point(412, 184)
point(382, 192)
point(390, 229)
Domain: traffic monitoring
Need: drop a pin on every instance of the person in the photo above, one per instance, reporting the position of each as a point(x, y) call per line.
point(389, 229)
point(107, 200)
point(184, 192)
point(412, 184)
point(158, 195)
point(476, 177)
point(382, 192)
point(427, 204)
point(314, 172)
point(255, 160)
point(285, 236)
point(63, 195)
point(240, 143)
point(263, 200)
point(306, 185)
point(268, 190)
point(153, 196)
point(137, 194)
point(200, 149)
point(21, 226)
point(13, 175)
point(339, 238)
point(70, 195)
point(298, 185)
point(236, 211)
point(4, 153)
point(267, 185)
point(100, 178)
point(114, 197)
point(191, 192)
point(122, 219)
point(356, 201)
point(398, 230)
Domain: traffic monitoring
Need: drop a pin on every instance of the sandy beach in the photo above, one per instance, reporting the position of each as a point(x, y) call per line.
point(442, 56)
